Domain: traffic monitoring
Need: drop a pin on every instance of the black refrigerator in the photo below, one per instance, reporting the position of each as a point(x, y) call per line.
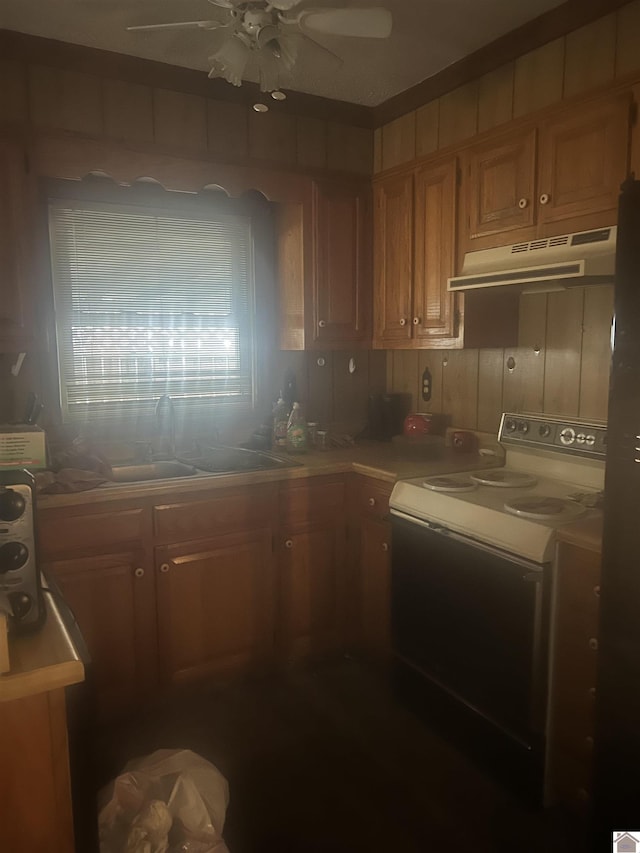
point(616, 784)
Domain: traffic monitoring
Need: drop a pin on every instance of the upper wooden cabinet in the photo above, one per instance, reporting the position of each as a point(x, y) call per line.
point(560, 176)
point(16, 305)
point(414, 250)
point(393, 259)
point(584, 157)
point(324, 268)
point(501, 188)
point(433, 315)
point(342, 264)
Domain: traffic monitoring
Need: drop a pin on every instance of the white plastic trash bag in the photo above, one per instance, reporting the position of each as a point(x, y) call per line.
point(172, 801)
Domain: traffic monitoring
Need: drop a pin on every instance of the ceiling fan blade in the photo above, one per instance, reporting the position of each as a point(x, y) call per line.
point(181, 25)
point(282, 5)
point(367, 23)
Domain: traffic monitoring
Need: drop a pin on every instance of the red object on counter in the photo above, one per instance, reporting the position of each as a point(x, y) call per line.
point(464, 442)
point(418, 424)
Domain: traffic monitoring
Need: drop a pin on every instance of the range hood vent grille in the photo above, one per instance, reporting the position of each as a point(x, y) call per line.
point(587, 257)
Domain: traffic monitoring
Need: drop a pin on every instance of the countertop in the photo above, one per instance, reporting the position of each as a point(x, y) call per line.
point(585, 533)
point(42, 661)
point(380, 460)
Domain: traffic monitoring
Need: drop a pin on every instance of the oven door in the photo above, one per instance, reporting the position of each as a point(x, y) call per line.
point(473, 620)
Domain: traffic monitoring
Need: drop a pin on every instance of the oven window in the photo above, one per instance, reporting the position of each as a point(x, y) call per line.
point(473, 622)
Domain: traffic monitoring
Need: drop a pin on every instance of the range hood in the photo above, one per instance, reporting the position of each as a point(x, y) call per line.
point(587, 257)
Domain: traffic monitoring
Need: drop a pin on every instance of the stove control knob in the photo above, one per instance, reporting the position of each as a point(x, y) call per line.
point(581, 438)
point(523, 427)
point(510, 426)
point(568, 435)
point(20, 604)
point(590, 440)
point(544, 430)
point(13, 556)
point(12, 505)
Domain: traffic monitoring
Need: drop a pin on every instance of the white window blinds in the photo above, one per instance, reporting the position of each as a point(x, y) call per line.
point(150, 303)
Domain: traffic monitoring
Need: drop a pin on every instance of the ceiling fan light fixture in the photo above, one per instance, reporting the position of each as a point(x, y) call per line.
point(230, 60)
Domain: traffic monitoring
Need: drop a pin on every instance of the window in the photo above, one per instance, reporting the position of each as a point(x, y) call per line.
point(150, 302)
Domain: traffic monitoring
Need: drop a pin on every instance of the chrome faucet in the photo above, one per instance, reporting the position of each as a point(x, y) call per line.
point(166, 420)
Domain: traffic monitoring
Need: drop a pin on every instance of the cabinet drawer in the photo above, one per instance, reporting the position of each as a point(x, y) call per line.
point(372, 497)
point(309, 501)
point(59, 532)
point(226, 511)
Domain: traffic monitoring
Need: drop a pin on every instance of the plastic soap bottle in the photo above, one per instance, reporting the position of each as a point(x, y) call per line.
point(280, 421)
point(297, 435)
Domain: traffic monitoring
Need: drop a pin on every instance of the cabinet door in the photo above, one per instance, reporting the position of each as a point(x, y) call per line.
point(571, 724)
point(584, 158)
point(500, 195)
point(113, 599)
point(311, 563)
point(215, 605)
point(435, 204)
point(342, 266)
point(375, 588)
point(16, 332)
point(393, 259)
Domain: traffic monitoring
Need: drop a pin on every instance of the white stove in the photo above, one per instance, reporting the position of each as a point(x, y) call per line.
point(553, 474)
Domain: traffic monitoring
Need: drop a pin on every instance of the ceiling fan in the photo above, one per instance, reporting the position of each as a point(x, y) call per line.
point(270, 31)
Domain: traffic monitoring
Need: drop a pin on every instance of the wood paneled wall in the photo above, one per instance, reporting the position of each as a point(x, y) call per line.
point(561, 366)
point(123, 111)
point(587, 58)
point(330, 393)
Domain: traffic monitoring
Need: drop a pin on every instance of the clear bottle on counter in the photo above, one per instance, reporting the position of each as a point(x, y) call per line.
point(297, 435)
point(312, 431)
point(280, 422)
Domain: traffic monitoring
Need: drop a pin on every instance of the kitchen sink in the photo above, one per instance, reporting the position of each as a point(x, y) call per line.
point(235, 460)
point(210, 460)
point(151, 471)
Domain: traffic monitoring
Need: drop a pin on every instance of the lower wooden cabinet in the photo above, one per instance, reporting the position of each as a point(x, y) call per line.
point(311, 557)
point(35, 792)
point(113, 599)
point(369, 622)
point(167, 590)
point(216, 605)
point(375, 588)
point(572, 687)
point(311, 566)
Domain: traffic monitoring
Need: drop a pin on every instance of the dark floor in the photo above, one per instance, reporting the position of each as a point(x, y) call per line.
point(326, 759)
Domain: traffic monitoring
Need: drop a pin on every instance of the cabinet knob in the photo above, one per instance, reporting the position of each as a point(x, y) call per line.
point(524, 202)
point(288, 543)
point(545, 198)
point(385, 546)
point(593, 644)
point(589, 742)
point(371, 501)
point(322, 324)
point(592, 692)
point(403, 321)
point(596, 591)
point(582, 794)
point(417, 321)
point(164, 568)
point(139, 573)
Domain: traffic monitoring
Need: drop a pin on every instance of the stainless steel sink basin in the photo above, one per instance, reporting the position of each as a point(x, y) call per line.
point(151, 471)
point(235, 460)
